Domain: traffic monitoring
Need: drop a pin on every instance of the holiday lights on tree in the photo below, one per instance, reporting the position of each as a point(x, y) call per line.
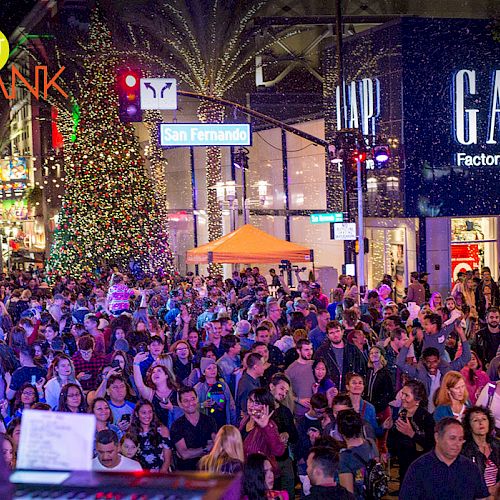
point(209, 46)
point(110, 214)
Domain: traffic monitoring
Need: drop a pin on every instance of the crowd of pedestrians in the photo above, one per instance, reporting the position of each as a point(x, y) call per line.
point(299, 392)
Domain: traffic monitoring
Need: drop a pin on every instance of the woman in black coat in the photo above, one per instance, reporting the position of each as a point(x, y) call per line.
point(480, 445)
point(412, 431)
point(379, 390)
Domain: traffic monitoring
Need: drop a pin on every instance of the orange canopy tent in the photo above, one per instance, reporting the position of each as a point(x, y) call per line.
point(248, 245)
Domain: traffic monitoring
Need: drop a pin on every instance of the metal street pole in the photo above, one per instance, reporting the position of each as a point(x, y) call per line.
point(361, 242)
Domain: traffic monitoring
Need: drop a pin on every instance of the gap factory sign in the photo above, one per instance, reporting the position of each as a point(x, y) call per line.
point(475, 125)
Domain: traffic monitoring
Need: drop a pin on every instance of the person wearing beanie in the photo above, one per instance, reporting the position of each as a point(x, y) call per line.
point(243, 329)
point(214, 394)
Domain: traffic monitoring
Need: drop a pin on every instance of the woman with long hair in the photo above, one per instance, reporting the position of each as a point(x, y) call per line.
point(481, 446)
point(355, 386)
point(469, 295)
point(72, 399)
point(412, 430)
point(323, 383)
point(26, 396)
point(436, 301)
point(17, 339)
point(8, 451)
point(160, 389)
point(475, 377)
point(154, 453)
point(103, 416)
point(258, 479)
point(61, 372)
point(226, 456)
point(183, 360)
point(452, 397)
point(379, 390)
point(259, 432)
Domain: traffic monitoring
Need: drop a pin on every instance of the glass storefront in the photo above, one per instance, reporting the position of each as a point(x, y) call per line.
point(387, 256)
point(473, 244)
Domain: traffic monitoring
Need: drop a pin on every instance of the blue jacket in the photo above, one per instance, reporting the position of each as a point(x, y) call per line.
point(443, 411)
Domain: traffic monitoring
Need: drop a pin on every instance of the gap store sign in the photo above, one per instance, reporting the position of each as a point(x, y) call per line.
point(473, 124)
point(205, 134)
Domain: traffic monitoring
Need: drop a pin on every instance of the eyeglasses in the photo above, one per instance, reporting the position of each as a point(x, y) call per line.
point(28, 393)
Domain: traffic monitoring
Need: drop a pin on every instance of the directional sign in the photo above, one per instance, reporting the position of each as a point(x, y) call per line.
point(205, 134)
point(158, 93)
point(328, 217)
point(344, 231)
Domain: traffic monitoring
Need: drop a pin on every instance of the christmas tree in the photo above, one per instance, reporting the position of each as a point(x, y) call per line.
point(110, 213)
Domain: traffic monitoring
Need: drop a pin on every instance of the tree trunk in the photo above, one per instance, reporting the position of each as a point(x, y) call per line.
point(210, 112)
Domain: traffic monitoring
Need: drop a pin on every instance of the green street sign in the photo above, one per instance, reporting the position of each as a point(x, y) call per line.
point(329, 217)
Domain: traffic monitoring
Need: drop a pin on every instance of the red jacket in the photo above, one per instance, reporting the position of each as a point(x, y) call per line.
point(265, 440)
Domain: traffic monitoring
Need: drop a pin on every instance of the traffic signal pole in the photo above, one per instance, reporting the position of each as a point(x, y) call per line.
point(361, 228)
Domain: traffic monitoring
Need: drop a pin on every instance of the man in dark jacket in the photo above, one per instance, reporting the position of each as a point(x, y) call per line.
point(322, 468)
point(487, 340)
point(340, 356)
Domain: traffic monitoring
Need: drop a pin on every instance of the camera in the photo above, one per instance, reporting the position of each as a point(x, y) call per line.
point(285, 266)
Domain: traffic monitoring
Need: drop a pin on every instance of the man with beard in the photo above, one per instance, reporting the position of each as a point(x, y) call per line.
point(488, 338)
point(301, 376)
point(283, 417)
point(340, 356)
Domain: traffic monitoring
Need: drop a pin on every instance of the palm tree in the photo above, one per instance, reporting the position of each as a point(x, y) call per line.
point(209, 45)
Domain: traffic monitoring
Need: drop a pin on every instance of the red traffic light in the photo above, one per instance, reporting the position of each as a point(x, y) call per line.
point(129, 95)
point(359, 155)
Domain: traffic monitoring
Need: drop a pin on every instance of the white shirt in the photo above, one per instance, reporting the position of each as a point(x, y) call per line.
point(435, 383)
point(482, 400)
point(125, 465)
point(53, 390)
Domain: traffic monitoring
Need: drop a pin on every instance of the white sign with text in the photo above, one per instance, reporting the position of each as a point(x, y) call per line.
point(56, 441)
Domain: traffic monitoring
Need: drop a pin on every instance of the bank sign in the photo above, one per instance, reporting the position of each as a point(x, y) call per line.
point(476, 118)
point(205, 134)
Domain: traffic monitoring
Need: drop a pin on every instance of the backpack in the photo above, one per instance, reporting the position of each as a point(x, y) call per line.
point(376, 480)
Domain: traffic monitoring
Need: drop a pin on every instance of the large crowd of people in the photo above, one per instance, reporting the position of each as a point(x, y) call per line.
point(298, 392)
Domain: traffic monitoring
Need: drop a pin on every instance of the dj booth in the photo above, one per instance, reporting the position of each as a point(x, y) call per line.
point(30, 484)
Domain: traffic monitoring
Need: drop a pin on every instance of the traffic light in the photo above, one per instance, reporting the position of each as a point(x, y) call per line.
point(129, 95)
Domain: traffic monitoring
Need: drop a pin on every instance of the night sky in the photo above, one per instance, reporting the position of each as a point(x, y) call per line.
point(12, 12)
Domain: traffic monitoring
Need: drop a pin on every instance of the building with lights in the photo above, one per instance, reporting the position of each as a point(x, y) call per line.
point(433, 207)
point(32, 169)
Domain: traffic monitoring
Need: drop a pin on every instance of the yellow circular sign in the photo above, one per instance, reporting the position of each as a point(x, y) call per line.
point(4, 50)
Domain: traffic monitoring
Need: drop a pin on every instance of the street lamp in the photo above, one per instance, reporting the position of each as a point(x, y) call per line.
point(226, 191)
point(262, 190)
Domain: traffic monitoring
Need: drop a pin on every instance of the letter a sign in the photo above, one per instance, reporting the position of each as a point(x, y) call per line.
point(158, 93)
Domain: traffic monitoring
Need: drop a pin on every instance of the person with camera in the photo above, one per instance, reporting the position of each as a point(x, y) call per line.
point(160, 389)
point(411, 433)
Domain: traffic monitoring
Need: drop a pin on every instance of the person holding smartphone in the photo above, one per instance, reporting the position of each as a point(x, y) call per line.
point(411, 432)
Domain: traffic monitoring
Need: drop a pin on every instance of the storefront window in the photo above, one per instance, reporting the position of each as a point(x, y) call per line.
point(387, 256)
point(473, 244)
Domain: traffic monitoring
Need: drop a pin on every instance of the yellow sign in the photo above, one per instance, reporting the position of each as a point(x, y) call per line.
point(4, 50)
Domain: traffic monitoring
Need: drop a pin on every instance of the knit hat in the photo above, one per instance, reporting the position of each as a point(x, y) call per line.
point(122, 345)
point(243, 327)
point(205, 363)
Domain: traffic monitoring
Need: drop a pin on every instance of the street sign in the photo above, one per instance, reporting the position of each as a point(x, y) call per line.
point(205, 134)
point(344, 231)
point(158, 93)
point(328, 217)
